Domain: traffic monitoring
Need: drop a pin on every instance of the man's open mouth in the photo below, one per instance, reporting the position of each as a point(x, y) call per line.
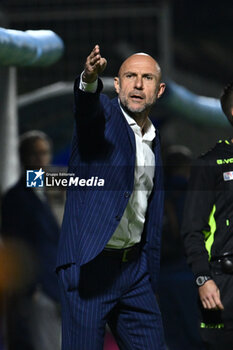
point(136, 97)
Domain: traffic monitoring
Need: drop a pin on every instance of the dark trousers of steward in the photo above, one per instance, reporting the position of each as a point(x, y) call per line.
point(217, 326)
point(113, 288)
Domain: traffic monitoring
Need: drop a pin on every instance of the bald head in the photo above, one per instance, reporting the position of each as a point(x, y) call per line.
point(144, 59)
point(139, 85)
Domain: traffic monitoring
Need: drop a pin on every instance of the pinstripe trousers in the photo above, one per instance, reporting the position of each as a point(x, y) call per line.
point(106, 290)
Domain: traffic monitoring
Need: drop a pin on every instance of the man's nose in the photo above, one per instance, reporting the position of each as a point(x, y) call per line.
point(139, 83)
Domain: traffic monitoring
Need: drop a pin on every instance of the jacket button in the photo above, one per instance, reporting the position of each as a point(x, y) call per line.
point(118, 217)
point(126, 194)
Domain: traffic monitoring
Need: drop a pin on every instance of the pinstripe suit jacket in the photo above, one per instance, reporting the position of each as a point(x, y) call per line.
point(104, 146)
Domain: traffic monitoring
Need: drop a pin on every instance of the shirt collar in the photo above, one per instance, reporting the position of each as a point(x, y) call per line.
point(149, 129)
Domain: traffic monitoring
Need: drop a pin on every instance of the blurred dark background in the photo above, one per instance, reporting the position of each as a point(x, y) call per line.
point(200, 35)
point(191, 39)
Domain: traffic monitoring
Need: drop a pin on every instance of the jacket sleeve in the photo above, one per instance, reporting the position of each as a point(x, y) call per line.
point(87, 104)
point(198, 210)
point(91, 110)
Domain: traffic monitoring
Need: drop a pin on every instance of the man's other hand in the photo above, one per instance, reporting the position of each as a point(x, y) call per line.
point(210, 296)
point(94, 66)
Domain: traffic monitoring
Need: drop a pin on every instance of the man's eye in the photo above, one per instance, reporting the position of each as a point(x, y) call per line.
point(129, 75)
point(149, 77)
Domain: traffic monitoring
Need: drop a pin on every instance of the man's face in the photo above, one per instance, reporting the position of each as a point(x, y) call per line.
point(39, 155)
point(138, 84)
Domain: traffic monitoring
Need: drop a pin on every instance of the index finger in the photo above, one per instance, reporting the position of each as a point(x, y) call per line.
point(218, 303)
point(95, 51)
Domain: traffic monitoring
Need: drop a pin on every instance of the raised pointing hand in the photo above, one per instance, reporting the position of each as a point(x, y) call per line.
point(94, 66)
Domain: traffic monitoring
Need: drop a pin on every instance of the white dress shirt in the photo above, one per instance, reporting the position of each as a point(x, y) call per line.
point(130, 228)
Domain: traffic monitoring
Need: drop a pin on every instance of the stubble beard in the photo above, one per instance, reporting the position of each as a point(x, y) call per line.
point(135, 110)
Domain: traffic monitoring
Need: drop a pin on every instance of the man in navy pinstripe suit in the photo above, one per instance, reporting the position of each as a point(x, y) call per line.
point(109, 250)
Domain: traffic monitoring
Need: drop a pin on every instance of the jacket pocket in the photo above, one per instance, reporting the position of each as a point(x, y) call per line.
point(69, 276)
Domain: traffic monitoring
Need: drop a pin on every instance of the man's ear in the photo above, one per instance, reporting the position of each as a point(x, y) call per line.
point(161, 89)
point(117, 84)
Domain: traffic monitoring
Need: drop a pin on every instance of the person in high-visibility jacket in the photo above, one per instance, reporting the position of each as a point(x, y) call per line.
point(208, 236)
